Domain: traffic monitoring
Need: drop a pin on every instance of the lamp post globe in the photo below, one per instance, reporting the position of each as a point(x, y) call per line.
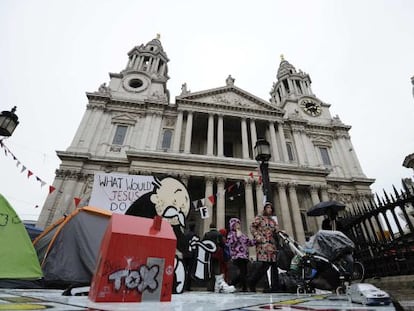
point(8, 122)
point(262, 155)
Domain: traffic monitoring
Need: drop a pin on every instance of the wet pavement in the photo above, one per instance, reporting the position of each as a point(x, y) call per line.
point(15, 299)
point(401, 289)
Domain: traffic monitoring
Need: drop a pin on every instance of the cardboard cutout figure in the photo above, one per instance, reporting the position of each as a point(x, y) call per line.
point(170, 200)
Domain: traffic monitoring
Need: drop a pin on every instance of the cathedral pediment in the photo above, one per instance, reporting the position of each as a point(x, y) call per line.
point(321, 141)
point(124, 118)
point(229, 96)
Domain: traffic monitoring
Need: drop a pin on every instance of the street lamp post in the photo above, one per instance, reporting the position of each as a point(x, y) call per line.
point(262, 151)
point(8, 122)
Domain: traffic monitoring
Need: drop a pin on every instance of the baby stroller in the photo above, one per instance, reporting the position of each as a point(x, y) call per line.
point(325, 262)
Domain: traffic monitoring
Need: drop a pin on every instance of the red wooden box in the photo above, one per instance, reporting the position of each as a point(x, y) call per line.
point(135, 262)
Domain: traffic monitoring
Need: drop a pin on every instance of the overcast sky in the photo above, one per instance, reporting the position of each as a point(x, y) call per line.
point(359, 55)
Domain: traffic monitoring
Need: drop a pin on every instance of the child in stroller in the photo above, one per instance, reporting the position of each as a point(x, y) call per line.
point(324, 262)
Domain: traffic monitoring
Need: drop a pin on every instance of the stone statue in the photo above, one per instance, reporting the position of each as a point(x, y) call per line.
point(230, 81)
point(184, 89)
point(103, 88)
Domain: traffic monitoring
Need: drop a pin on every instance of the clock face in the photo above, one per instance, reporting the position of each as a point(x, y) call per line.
point(312, 108)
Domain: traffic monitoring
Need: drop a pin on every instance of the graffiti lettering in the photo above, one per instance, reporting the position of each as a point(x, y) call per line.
point(142, 279)
point(124, 196)
point(144, 186)
point(118, 206)
point(111, 181)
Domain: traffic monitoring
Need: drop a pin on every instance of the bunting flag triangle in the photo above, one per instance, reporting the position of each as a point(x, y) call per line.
point(23, 169)
point(29, 173)
point(77, 201)
point(18, 163)
point(260, 180)
point(230, 188)
point(251, 175)
point(212, 199)
point(42, 183)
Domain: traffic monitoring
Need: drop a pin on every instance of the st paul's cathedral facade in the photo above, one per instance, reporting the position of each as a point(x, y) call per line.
point(206, 140)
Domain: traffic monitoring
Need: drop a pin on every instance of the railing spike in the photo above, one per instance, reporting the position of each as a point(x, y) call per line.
point(386, 196)
point(378, 199)
point(396, 192)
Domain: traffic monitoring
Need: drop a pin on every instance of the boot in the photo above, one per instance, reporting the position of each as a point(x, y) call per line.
point(222, 287)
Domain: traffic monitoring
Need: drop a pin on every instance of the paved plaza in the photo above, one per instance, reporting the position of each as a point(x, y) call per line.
point(14, 299)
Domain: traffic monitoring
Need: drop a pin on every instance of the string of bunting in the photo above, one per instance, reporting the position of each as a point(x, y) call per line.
point(23, 168)
point(198, 205)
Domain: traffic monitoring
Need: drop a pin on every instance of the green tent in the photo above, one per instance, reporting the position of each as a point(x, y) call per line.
point(19, 265)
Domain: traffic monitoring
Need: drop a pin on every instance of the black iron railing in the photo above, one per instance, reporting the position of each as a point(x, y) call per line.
point(383, 232)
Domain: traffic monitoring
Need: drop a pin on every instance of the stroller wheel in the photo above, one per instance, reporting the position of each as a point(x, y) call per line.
point(300, 290)
point(358, 273)
point(341, 290)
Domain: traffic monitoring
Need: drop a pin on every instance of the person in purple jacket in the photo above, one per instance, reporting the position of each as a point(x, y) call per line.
point(239, 243)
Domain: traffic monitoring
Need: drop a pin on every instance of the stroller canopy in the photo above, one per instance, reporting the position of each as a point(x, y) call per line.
point(330, 244)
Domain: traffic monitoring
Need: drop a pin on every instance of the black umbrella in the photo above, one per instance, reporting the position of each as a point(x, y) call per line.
point(326, 208)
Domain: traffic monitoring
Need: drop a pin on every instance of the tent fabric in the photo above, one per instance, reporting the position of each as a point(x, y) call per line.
point(18, 260)
point(68, 249)
point(33, 231)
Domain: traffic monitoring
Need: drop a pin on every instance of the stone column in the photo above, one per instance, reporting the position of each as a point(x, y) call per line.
point(291, 87)
point(177, 132)
point(273, 142)
point(221, 203)
point(299, 146)
point(184, 179)
point(286, 221)
point(259, 198)
point(344, 155)
point(297, 218)
point(248, 197)
point(210, 134)
point(90, 132)
point(245, 142)
point(144, 136)
point(188, 132)
point(253, 134)
point(208, 192)
point(315, 200)
point(324, 193)
point(156, 125)
point(281, 133)
point(100, 132)
point(356, 167)
point(340, 166)
point(220, 136)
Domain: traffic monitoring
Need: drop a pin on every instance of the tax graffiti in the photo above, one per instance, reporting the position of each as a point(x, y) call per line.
point(144, 278)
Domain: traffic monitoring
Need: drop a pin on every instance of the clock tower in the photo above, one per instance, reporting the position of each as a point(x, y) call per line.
point(292, 92)
point(145, 76)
